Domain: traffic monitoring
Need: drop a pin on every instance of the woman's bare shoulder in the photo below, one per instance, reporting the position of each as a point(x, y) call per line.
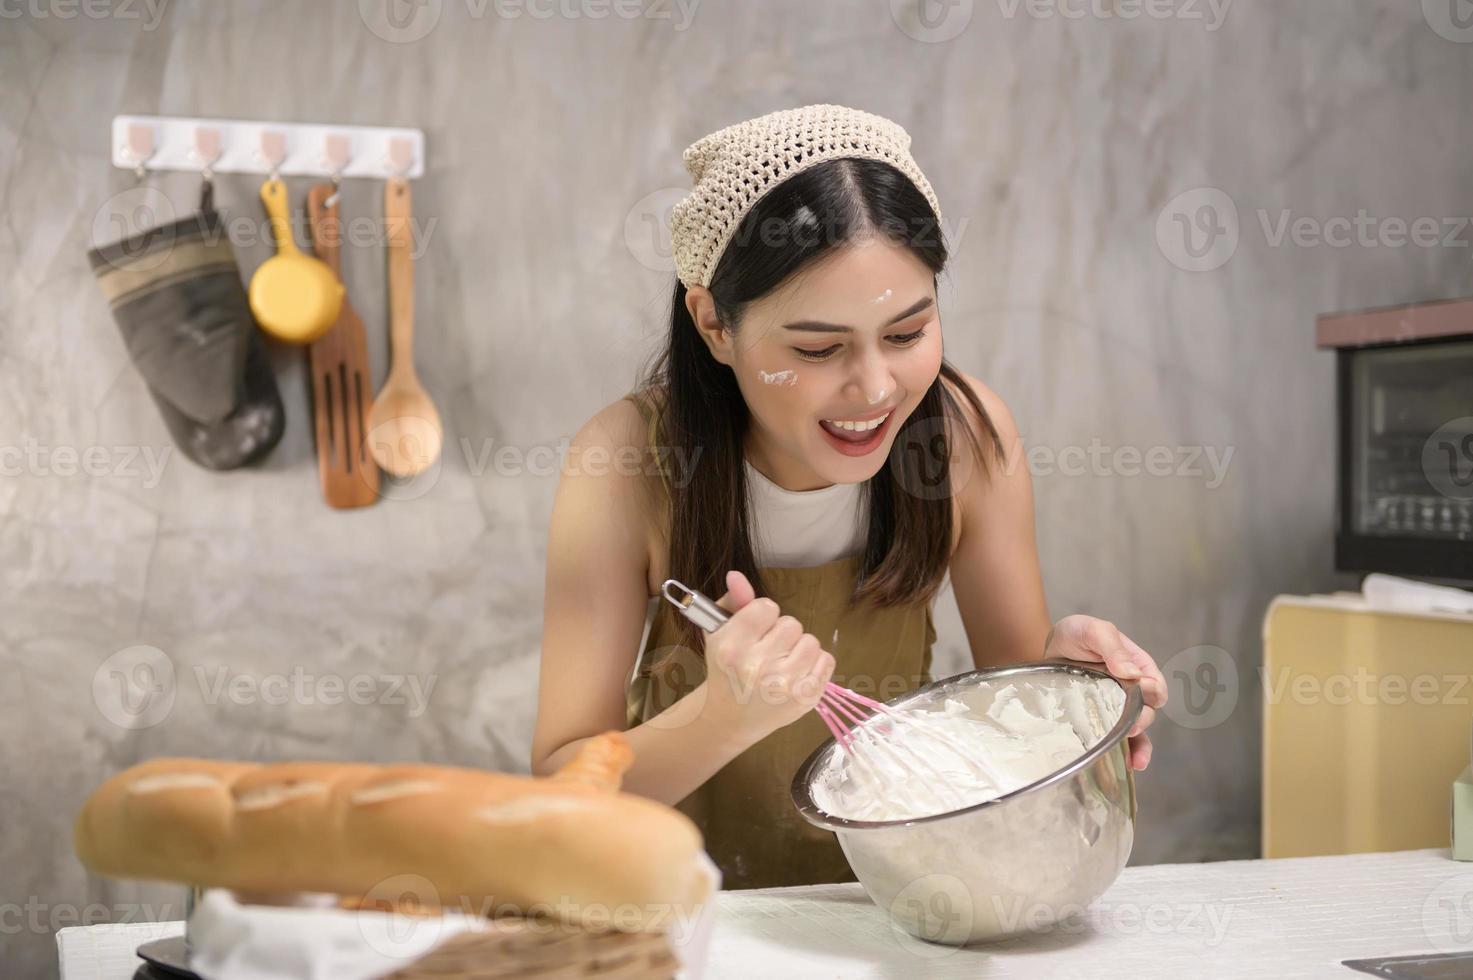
point(998, 415)
point(617, 425)
point(611, 456)
point(973, 478)
point(624, 421)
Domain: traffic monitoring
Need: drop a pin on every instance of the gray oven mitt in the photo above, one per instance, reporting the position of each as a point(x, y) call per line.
point(177, 298)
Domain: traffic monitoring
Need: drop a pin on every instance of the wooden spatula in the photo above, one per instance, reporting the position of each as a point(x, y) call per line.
point(342, 386)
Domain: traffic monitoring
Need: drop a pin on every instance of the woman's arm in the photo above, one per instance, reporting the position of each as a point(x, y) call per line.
point(593, 615)
point(994, 569)
point(999, 588)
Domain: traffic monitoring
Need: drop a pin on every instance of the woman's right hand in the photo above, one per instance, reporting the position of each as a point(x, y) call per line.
point(762, 670)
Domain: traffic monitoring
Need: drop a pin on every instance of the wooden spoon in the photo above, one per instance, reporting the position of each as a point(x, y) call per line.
point(404, 431)
point(342, 384)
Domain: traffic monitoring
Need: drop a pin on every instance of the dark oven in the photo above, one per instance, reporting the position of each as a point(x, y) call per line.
point(1405, 440)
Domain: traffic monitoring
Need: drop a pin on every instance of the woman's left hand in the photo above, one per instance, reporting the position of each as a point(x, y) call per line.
point(1098, 641)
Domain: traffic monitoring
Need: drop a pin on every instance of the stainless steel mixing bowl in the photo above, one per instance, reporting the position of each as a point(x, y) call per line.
point(1014, 864)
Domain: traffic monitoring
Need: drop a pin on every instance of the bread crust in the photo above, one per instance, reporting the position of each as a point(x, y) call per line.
point(568, 845)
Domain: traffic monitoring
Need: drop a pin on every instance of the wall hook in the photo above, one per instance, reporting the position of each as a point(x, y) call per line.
point(139, 147)
point(336, 155)
point(206, 150)
point(273, 151)
point(401, 156)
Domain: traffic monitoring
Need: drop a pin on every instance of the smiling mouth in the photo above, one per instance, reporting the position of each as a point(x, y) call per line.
point(854, 431)
point(857, 436)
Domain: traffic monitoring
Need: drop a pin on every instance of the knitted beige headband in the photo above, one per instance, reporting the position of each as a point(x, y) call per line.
point(733, 167)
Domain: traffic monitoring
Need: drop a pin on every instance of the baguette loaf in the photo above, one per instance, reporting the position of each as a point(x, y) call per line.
point(569, 845)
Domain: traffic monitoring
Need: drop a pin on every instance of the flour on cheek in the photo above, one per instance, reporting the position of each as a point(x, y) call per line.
point(788, 377)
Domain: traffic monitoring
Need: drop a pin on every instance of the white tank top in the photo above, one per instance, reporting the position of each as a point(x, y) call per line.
point(794, 528)
point(803, 528)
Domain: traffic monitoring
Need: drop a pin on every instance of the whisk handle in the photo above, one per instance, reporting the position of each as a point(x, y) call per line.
point(694, 606)
point(699, 609)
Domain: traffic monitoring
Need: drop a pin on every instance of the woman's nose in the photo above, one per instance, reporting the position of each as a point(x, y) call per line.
point(873, 379)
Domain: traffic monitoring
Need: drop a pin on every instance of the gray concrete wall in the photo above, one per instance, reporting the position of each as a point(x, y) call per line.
point(1063, 149)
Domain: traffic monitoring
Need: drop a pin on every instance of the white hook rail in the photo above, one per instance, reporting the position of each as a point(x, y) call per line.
point(143, 143)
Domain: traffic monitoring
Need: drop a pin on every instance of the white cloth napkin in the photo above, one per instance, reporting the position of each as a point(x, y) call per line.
point(1393, 592)
point(232, 941)
point(316, 940)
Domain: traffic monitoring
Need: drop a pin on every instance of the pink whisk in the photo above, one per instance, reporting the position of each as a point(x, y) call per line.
point(843, 711)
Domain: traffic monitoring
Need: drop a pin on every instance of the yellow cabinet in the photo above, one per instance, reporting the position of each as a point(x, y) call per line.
point(1366, 723)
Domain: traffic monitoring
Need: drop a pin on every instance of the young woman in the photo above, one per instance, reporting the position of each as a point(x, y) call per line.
point(802, 439)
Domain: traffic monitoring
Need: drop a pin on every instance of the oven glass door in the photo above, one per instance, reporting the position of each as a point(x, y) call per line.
point(1411, 442)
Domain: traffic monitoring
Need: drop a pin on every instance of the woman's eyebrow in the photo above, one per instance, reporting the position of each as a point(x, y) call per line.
point(814, 326)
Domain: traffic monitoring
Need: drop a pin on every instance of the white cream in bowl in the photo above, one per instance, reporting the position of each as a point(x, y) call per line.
point(960, 756)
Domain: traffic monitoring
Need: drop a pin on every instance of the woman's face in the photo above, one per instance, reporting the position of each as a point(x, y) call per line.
point(832, 362)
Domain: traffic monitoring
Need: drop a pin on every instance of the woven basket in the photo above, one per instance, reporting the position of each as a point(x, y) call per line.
point(538, 948)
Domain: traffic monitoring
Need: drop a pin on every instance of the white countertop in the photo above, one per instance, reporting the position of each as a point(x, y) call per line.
point(1292, 917)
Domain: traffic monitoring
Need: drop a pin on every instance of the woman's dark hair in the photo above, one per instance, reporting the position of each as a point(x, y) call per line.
point(701, 412)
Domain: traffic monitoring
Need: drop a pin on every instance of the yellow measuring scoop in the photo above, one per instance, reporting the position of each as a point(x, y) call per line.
point(294, 296)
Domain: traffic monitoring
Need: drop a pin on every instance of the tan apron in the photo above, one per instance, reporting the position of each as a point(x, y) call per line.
point(745, 811)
